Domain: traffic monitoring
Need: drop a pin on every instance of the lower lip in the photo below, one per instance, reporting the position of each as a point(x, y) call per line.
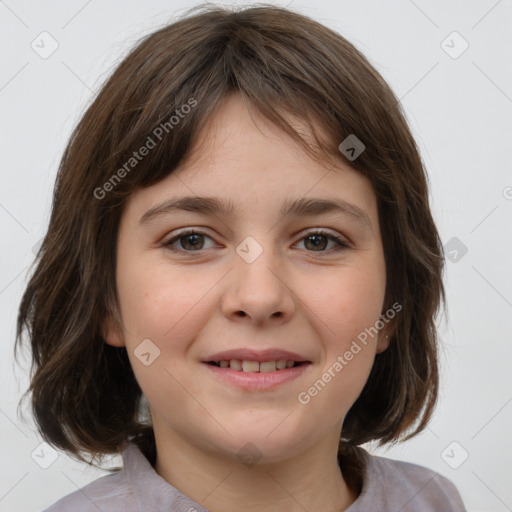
point(258, 381)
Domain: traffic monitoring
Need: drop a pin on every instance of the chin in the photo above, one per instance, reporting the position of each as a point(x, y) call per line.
point(268, 445)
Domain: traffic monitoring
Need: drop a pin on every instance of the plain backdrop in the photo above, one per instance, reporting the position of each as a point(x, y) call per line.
point(458, 102)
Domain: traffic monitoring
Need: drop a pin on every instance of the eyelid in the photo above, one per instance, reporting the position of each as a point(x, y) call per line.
point(340, 240)
point(183, 233)
point(326, 232)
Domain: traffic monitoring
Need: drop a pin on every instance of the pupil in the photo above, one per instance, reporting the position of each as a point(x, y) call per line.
point(194, 242)
point(317, 243)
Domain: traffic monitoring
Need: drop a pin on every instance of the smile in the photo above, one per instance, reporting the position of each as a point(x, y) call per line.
point(255, 375)
point(255, 366)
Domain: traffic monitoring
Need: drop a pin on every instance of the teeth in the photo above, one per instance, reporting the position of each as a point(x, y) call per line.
point(235, 364)
point(250, 366)
point(268, 366)
point(256, 366)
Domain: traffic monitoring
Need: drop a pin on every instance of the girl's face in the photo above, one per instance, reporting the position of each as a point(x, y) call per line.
point(250, 278)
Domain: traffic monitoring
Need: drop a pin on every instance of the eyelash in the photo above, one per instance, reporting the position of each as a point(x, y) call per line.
point(341, 244)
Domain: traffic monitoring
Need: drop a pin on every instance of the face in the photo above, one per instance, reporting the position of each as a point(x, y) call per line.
point(300, 286)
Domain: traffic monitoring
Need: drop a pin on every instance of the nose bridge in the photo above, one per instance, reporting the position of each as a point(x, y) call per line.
point(258, 287)
point(257, 261)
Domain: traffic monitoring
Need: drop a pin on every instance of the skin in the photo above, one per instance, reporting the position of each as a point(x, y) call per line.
point(294, 296)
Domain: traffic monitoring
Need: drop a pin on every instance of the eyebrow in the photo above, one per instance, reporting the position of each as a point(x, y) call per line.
point(300, 207)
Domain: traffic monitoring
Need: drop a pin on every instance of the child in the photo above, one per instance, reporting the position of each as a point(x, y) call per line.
point(243, 372)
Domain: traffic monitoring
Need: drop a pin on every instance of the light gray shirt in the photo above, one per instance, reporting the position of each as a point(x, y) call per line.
point(388, 486)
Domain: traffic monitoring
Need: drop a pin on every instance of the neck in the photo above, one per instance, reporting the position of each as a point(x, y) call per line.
point(311, 480)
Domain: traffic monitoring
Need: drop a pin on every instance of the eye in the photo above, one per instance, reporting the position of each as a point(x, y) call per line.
point(190, 241)
point(318, 240)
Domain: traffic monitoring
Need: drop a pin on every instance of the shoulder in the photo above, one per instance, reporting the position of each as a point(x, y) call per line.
point(396, 485)
point(110, 493)
point(136, 487)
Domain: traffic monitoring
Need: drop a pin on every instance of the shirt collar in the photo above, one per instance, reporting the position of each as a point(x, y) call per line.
point(151, 492)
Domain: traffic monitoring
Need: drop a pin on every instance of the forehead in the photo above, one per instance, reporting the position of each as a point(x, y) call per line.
point(240, 157)
point(238, 127)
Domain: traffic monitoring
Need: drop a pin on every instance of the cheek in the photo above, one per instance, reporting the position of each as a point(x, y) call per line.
point(165, 306)
point(159, 302)
point(349, 304)
point(347, 315)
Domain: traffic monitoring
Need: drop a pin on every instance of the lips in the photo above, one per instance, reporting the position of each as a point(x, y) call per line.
point(257, 371)
point(256, 361)
point(261, 356)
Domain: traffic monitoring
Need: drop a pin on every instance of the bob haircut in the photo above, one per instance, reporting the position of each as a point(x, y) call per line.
point(84, 395)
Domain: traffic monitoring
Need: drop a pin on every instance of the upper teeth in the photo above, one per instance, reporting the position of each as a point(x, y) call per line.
point(256, 366)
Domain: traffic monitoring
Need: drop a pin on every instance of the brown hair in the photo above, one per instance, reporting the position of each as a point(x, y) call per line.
point(85, 397)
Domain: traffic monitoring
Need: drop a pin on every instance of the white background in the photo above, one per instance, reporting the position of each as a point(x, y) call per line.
point(460, 110)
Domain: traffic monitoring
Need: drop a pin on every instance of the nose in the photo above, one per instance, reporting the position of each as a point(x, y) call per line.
point(259, 291)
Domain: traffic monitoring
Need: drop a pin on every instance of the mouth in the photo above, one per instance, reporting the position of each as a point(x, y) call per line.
point(257, 374)
point(251, 366)
point(256, 370)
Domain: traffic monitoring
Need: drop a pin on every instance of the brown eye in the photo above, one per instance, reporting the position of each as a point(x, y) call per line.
point(318, 241)
point(189, 241)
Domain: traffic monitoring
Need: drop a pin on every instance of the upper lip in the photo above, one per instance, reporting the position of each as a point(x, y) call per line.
point(247, 354)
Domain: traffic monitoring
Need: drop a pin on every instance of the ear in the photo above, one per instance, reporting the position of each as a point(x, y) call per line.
point(112, 333)
point(384, 338)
